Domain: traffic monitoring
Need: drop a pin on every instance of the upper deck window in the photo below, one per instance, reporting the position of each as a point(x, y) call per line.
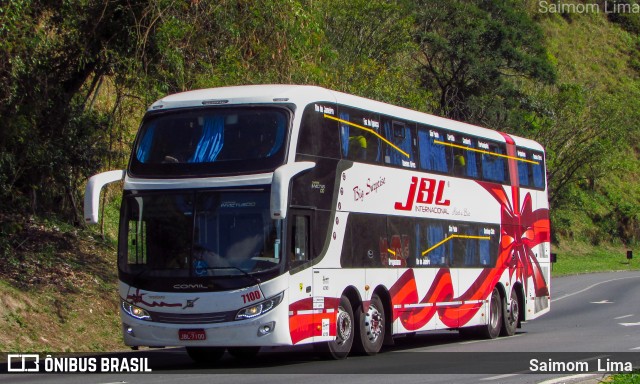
point(360, 135)
point(211, 141)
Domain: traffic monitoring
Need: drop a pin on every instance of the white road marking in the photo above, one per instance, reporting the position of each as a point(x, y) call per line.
point(629, 324)
point(602, 302)
point(635, 349)
point(569, 378)
point(499, 377)
point(622, 317)
point(593, 286)
point(492, 340)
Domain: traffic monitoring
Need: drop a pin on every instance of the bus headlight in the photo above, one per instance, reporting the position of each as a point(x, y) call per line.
point(259, 308)
point(135, 311)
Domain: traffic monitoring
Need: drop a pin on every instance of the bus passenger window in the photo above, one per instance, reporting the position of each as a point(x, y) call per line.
point(319, 134)
point(432, 250)
point(538, 171)
point(523, 173)
point(471, 252)
point(459, 162)
point(472, 159)
point(524, 167)
point(399, 149)
point(464, 245)
point(485, 250)
point(359, 132)
point(300, 242)
point(433, 154)
point(493, 165)
point(358, 147)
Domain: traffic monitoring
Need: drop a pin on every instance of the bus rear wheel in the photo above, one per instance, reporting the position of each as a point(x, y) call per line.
point(371, 326)
point(341, 346)
point(510, 314)
point(494, 324)
point(205, 355)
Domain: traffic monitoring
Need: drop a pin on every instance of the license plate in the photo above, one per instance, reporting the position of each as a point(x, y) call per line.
point(192, 334)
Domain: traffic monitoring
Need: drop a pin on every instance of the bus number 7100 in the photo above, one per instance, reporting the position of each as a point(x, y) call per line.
point(251, 296)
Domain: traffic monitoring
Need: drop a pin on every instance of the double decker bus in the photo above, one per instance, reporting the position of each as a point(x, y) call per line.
point(277, 215)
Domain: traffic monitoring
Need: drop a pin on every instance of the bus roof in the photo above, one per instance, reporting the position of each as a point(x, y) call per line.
point(302, 95)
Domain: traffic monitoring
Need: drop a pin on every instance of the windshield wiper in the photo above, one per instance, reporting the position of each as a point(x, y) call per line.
point(245, 273)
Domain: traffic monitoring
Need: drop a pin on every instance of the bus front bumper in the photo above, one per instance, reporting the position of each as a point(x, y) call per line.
point(271, 329)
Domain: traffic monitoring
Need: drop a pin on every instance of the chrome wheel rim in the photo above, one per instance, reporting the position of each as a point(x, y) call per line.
point(494, 315)
point(373, 323)
point(344, 326)
point(514, 311)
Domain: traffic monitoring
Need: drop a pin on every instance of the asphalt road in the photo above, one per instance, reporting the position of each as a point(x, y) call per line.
point(594, 320)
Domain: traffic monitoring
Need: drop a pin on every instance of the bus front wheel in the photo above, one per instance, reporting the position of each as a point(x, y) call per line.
point(371, 326)
point(341, 346)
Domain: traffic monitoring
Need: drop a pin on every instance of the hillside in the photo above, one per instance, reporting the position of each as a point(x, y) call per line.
point(58, 289)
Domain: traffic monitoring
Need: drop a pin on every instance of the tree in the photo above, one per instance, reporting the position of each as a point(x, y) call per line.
point(470, 51)
point(53, 57)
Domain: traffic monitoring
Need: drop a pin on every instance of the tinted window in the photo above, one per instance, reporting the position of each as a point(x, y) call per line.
point(319, 132)
point(360, 135)
point(433, 154)
point(433, 247)
point(399, 150)
point(530, 168)
point(494, 163)
point(365, 242)
point(524, 167)
point(198, 234)
point(399, 244)
point(538, 170)
point(210, 140)
point(456, 244)
point(463, 160)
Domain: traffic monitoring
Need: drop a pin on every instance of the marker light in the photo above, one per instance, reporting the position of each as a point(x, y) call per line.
point(135, 311)
point(129, 330)
point(266, 329)
point(259, 308)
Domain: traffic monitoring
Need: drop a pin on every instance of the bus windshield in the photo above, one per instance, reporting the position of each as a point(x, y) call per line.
point(210, 141)
point(198, 234)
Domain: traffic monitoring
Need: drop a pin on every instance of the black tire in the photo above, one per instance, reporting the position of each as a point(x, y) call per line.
point(510, 314)
point(243, 352)
point(345, 332)
point(205, 355)
point(492, 329)
point(371, 327)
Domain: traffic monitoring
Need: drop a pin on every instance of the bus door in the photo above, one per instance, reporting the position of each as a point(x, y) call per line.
point(299, 253)
point(299, 262)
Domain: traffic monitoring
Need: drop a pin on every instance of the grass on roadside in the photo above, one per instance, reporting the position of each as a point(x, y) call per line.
point(575, 258)
point(624, 378)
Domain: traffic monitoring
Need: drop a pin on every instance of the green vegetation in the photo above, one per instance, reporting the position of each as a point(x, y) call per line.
point(76, 77)
point(586, 258)
point(625, 378)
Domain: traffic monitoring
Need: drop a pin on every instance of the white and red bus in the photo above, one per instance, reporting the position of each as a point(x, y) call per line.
point(279, 215)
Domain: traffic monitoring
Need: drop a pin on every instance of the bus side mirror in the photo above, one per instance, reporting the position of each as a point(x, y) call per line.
point(92, 193)
point(280, 186)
